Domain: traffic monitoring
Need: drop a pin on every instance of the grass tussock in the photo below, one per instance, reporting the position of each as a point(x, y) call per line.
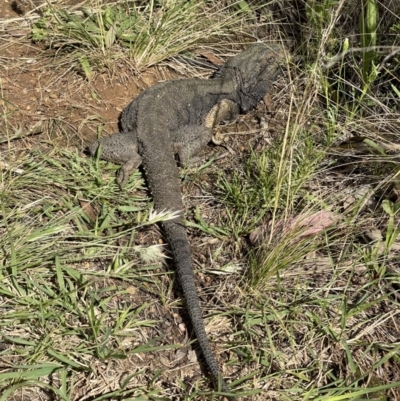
point(146, 33)
point(293, 221)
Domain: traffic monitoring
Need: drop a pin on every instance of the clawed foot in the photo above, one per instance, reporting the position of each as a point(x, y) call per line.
point(127, 169)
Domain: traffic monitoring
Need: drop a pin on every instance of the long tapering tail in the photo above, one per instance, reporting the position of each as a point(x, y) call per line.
point(179, 244)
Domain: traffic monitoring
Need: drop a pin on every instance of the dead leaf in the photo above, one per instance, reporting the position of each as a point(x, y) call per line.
point(88, 209)
point(269, 103)
point(212, 58)
point(180, 354)
point(192, 356)
point(303, 225)
point(316, 222)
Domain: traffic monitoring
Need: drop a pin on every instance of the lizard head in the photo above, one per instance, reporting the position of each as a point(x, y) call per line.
point(253, 71)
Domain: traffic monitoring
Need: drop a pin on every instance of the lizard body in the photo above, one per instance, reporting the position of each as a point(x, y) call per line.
point(177, 117)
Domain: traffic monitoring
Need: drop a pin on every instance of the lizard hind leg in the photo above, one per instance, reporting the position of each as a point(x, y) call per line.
point(128, 168)
point(120, 148)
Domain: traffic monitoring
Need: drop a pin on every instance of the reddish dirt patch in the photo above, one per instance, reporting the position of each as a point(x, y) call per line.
point(40, 89)
point(36, 91)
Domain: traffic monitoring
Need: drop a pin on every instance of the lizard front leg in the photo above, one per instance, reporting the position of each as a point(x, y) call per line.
point(190, 140)
point(224, 111)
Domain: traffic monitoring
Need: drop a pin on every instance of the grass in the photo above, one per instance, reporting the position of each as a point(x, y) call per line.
point(294, 233)
point(148, 33)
